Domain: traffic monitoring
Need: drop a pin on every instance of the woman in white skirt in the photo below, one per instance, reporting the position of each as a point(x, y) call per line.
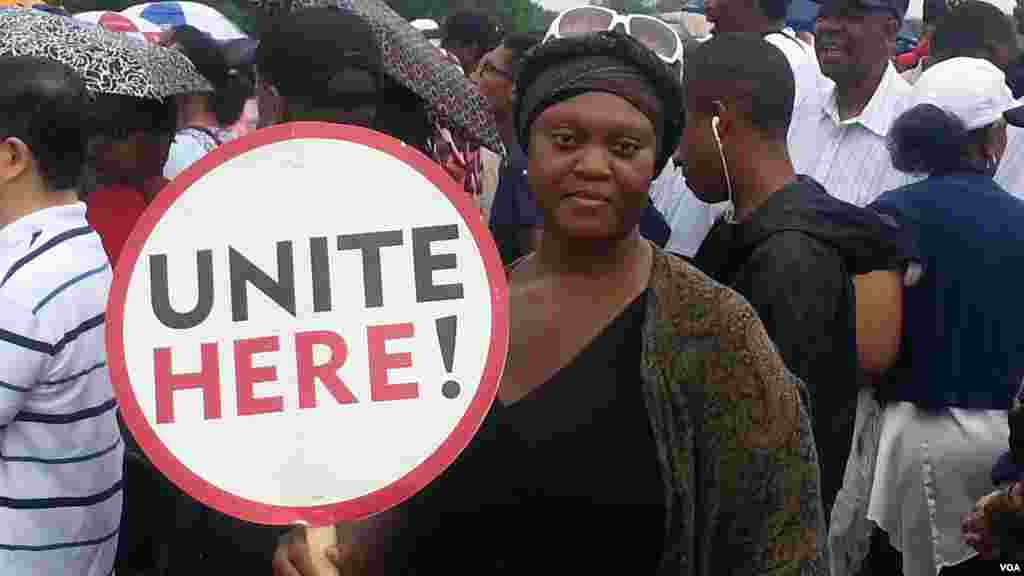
point(962, 354)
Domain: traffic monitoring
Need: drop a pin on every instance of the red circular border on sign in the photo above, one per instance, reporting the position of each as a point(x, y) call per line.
point(357, 508)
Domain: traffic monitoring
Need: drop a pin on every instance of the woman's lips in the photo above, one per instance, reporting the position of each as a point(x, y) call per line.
point(587, 197)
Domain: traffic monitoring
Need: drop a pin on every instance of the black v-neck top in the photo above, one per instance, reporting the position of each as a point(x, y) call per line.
point(566, 478)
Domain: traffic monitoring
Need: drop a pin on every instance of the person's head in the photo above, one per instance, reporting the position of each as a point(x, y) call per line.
point(598, 118)
point(739, 98)
point(231, 89)
point(974, 29)
point(319, 64)
point(957, 120)
point(325, 65)
point(856, 39)
point(745, 15)
point(131, 137)
point(43, 133)
point(469, 35)
point(496, 73)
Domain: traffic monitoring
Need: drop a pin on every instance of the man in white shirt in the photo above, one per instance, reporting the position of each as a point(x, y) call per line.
point(840, 140)
point(689, 218)
point(61, 454)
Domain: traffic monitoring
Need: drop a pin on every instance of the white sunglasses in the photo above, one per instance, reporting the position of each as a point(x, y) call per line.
point(653, 33)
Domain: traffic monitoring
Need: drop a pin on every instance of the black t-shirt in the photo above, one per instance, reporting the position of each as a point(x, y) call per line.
point(565, 480)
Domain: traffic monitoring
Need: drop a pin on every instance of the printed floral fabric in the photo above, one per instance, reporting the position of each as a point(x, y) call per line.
point(735, 443)
point(458, 155)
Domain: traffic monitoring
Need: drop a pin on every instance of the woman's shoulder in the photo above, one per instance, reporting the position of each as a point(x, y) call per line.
point(694, 302)
point(694, 315)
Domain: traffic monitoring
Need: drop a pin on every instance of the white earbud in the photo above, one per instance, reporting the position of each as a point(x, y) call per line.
point(730, 214)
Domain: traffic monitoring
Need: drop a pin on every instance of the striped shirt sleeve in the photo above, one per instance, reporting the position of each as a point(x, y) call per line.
point(24, 350)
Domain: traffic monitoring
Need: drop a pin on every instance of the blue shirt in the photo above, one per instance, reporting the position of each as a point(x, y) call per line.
point(513, 208)
point(963, 322)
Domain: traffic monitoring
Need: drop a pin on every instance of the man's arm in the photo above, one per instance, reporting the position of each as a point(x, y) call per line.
point(22, 354)
point(879, 319)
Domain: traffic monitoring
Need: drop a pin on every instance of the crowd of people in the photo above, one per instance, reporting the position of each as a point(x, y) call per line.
point(762, 287)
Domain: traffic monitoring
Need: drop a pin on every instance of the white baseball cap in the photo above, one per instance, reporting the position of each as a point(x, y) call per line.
point(972, 89)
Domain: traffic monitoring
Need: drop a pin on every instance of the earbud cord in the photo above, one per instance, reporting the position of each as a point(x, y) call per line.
point(730, 214)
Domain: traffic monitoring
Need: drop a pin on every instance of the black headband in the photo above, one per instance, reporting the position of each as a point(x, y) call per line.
point(590, 74)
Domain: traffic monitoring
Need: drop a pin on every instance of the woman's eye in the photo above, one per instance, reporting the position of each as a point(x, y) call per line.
point(563, 139)
point(625, 149)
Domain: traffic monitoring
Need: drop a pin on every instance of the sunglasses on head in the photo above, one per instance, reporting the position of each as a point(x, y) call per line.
point(656, 35)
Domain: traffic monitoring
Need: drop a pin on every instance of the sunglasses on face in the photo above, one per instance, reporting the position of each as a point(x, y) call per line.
point(656, 35)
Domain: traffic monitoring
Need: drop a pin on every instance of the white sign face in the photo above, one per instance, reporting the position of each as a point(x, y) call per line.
point(307, 326)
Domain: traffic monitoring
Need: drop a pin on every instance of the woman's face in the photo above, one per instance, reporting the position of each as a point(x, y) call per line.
point(591, 162)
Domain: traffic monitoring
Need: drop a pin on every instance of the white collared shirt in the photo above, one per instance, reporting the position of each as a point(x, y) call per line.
point(61, 455)
point(803, 62)
point(850, 157)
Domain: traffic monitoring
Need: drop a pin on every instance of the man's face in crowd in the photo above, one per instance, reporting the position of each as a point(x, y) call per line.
point(495, 78)
point(852, 41)
point(730, 15)
point(703, 168)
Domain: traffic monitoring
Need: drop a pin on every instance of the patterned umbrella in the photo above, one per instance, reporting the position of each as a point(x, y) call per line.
point(411, 60)
point(117, 22)
point(109, 62)
point(173, 14)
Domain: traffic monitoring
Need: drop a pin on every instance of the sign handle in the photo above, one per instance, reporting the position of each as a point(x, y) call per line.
point(318, 540)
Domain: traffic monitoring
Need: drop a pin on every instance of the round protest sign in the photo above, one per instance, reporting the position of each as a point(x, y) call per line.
point(308, 325)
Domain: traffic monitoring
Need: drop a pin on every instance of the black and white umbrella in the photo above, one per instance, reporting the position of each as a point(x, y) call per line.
point(109, 62)
point(411, 60)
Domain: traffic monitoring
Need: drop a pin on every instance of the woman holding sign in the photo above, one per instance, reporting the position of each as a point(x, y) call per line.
point(645, 423)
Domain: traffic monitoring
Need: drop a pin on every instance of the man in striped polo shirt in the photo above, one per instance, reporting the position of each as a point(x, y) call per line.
point(61, 453)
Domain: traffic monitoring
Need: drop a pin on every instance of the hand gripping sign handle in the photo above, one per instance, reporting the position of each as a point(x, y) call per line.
point(318, 540)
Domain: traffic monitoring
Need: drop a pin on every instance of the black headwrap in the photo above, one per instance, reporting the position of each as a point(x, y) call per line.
point(604, 62)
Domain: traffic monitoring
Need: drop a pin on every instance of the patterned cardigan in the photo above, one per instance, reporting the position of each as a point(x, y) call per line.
point(734, 440)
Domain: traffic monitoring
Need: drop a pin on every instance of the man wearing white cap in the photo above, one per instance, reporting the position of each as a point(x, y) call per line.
point(945, 422)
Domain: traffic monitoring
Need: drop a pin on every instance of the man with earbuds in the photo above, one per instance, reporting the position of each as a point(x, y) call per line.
point(788, 247)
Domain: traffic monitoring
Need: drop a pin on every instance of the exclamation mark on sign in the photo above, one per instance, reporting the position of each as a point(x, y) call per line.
point(447, 328)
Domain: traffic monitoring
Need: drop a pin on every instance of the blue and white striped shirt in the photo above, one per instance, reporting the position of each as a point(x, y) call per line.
point(61, 454)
